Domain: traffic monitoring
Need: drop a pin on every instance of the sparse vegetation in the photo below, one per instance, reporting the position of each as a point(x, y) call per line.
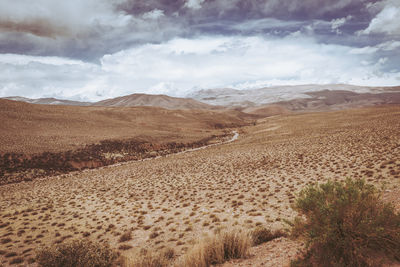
point(245, 184)
point(218, 249)
point(346, 224)
point(76, 253)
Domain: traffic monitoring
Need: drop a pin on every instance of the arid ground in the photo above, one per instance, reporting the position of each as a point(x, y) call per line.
point(174, 200)
point(38, 140)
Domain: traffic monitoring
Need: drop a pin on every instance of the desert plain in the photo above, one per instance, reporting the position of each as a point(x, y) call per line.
point(174, 200)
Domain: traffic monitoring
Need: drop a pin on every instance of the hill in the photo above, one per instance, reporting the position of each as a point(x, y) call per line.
point(162, 101)
point(340, 99)
point(265, 101)
point(48, 101)
point(335, 96)
point(39, 140)
point(133, 100)
point(37, 128)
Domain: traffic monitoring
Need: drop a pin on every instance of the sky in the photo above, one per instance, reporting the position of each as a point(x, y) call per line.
point(96, 49)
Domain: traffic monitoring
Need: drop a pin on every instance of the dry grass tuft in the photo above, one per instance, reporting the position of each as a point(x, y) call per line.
point(76, 253)
point(218, 249)
point(149, 259)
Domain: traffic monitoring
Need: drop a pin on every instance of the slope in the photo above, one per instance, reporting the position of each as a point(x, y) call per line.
point(162, 101)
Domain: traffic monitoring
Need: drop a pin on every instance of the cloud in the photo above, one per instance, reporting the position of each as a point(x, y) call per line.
point(182, 65)
point(154, 14)
point(268, 24)
point(194, 4)
point(337, 23)
point(78, 29)
point(25, 60)
point(95, 49)
point(387, 21)
point(386, 46)
point(46, 76)
point(89, 29)
point(62, 18)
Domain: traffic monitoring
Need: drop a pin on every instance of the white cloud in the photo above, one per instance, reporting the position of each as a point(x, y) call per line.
point(26, 59)
point(266, 23)
point(387, 21)
point(386, 46)
point(194, 4)
point(46, 77)
point(154, 14)
point(337, 23)
point(182, 65)
point(364, 50)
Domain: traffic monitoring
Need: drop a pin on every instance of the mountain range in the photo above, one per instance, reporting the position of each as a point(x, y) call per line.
point(263, 101)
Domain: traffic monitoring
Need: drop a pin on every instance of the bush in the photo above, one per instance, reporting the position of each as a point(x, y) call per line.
point(218, 249)
point(346, 224)
point(76, 253)
point(261, 235)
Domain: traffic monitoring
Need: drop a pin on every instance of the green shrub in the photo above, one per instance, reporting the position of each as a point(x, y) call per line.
point(261, 235)
point(346, 224)
point(77, 253)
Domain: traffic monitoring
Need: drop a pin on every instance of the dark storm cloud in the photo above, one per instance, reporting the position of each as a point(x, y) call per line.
point(91, 29)
point(95, 49)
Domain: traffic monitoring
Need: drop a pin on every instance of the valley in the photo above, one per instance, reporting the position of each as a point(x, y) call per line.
point(173, 201)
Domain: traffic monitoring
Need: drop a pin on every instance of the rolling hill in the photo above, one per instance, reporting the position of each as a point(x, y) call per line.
point(266, 101)
point(162, 101)
point(41, 140)
point(37, 128)
point(278, 94)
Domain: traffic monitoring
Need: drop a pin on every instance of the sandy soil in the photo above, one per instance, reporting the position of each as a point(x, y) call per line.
point(173, 201)
point(277, 252)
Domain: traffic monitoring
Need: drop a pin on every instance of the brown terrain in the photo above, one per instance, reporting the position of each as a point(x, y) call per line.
point(174, 200)
point(133, 100)
point(276, 100)
point(340, 99)
point(38, 140)
point(326, 100)
point(162, 101)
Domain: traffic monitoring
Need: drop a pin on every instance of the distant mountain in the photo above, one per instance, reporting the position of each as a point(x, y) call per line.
point(340, 99)
point(256, 97)
point(48, 101)
point(134, 100)
point(265, 101)
point(162, 101)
